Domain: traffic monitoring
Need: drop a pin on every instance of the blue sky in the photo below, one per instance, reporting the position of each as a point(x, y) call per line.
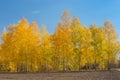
point(48, 12)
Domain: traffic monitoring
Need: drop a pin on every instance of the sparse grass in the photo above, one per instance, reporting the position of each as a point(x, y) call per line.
point(86, 75)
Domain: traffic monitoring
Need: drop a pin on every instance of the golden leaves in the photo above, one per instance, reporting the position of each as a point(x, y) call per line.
point(26, 47)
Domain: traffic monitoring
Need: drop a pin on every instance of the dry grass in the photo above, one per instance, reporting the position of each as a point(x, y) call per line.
point(90, 75)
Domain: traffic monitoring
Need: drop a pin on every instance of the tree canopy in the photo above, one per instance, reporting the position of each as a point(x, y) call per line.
point(72, 47)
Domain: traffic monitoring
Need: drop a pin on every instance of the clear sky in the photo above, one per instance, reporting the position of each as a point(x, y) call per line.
point(48, 12)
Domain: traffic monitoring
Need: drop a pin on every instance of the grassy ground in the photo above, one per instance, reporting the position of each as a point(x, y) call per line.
point(88, 75)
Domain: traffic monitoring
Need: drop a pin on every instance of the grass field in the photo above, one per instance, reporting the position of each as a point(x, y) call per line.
point(90, 75)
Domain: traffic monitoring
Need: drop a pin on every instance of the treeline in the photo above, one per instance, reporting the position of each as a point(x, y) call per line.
point(72, 47)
